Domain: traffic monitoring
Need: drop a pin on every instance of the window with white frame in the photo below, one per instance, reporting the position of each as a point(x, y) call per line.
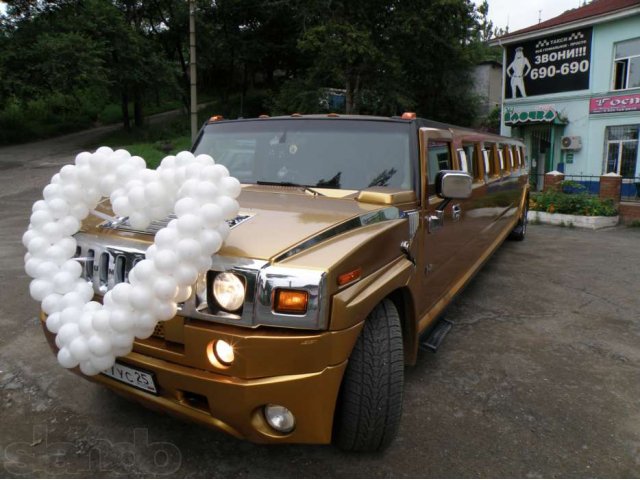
point(621, 150)
point(626, 65)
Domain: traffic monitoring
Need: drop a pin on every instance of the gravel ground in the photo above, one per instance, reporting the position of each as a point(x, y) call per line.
point(538, 378)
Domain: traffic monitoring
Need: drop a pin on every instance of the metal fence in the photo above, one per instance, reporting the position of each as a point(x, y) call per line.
point(629, 191)
point(590, 183)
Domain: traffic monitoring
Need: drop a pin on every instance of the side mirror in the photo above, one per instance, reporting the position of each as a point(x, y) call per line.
point(453, 184)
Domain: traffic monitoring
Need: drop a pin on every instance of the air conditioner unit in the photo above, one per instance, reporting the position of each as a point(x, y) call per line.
point(571, 143)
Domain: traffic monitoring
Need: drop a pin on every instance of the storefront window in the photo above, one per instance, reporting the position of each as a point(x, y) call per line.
point(626, 65)
point(622, 150)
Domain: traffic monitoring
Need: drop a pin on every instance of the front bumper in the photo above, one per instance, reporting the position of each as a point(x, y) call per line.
point(234, 404)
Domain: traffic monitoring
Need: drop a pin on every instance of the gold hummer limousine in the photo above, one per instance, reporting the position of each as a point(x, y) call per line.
point(353, 236)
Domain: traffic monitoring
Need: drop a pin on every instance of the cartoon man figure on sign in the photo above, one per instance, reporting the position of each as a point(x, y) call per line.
point(517, 70)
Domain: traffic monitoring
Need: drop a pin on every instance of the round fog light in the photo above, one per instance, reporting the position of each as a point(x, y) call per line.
point(279, 418)
point(224, 352)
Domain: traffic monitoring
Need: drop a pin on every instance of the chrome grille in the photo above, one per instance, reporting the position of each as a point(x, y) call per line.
point(107, 265)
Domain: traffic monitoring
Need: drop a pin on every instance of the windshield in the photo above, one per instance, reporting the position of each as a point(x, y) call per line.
point(346, 154)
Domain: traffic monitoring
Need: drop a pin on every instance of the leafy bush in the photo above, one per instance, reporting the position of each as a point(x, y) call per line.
point(579, 203)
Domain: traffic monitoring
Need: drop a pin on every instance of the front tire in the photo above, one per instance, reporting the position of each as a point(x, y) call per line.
point(370, 402)
point(520, 231)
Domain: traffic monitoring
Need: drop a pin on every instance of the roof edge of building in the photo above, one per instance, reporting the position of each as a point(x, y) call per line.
point(530, 32)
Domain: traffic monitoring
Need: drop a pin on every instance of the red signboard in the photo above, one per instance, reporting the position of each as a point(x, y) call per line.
point(620, 103)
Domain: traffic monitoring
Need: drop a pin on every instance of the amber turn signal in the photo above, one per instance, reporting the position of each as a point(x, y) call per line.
point(291, 301)
point(349, 276)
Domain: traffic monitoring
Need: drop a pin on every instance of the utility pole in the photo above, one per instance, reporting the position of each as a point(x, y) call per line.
point(192, 69)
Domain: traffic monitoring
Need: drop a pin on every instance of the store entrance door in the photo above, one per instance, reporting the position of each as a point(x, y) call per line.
point(541, 157)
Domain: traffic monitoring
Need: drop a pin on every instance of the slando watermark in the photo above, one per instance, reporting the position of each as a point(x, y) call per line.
point(71, 458)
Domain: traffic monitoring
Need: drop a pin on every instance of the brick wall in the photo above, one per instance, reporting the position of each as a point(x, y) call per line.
point(552, 181)
point(629, 211)
point(610, 187)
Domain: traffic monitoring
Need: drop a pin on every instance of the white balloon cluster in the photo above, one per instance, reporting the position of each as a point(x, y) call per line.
point(200, 193)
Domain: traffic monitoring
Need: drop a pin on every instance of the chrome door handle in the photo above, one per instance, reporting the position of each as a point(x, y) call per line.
point(435, 221)
point(456, 213)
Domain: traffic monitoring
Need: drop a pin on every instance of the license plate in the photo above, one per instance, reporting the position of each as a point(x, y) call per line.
point(132, 376)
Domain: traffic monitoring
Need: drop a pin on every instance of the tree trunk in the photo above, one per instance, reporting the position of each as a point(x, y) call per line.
point(349, 97)
point(126, 121)
point(137, 108)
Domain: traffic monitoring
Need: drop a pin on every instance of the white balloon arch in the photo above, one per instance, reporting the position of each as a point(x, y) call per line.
point(200, 193)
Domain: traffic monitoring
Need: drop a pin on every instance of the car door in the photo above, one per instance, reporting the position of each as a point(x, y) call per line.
point(443, 222)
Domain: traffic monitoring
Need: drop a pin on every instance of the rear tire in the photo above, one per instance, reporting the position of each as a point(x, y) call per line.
point(518, 234)
point(370, 402)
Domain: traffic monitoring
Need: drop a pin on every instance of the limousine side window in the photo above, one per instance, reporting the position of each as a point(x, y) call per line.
point(501, 165)
point(520, 157)
point(462, 160)
point(494, 159)
point(439, 158)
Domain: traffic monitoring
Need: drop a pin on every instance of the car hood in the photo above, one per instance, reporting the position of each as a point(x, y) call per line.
point(273, 223)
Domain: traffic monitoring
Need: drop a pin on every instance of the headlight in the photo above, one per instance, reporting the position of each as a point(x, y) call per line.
point(228, 291)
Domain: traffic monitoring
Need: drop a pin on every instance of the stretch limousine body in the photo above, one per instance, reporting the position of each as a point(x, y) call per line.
point(354, 234)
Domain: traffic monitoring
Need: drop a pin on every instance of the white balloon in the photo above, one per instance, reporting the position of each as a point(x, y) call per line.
point(189, 249)
point(85, 324)
point(71, 315)
point(141, 298)
point(167, 238)
point(189, 224)
point(186, 206)
point(66, 359)
point(230, 186)
point(79, 349)
point(99, 345)
point(73, 267)
point(40, 218)
point(185, 275)
point(67, 332)
point(121, 321)
point(210, 240)
point(101, 321)
point(139, 221)
point(165, 288)
point(166, 260)
point(53, 322)
point(104, 362)
point(51, 303)
point(228, 206)
point(88, 368)
point(83, 158)
point(184, 293)
point(165, 310)
point(40, 288)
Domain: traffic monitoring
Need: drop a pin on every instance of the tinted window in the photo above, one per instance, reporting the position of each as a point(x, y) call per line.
point(439, 158)
point(322, 153)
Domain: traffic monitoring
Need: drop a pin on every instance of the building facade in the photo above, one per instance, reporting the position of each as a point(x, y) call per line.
point(572, 92)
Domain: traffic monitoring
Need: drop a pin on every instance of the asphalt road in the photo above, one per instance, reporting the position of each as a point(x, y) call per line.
point(540, 377)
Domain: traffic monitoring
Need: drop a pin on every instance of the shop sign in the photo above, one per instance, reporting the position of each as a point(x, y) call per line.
point(557, 63)
point(513, 116)
point(620, 103)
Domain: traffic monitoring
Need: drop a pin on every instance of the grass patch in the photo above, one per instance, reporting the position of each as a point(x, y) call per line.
point(634, 224)
point(153, 153)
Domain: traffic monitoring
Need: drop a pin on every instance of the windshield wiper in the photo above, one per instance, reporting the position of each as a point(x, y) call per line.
point(307, 188)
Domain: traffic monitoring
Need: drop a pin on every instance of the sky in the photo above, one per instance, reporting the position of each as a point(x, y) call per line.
point(524, 13)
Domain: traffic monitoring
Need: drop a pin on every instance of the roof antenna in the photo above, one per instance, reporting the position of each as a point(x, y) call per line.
point(539, 16)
